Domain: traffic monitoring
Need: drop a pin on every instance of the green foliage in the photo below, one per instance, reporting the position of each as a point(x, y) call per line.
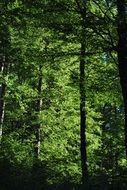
point(48, 34)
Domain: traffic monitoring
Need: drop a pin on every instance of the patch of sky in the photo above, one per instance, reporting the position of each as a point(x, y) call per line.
point(105, 57)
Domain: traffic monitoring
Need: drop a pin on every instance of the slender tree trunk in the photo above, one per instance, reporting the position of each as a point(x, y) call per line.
point(83, 118)
point(2, 102)
point(122, 55)
point(4, 63)
point(37, 167)
point(38, 109)
point(81, 5)
point(83, 147)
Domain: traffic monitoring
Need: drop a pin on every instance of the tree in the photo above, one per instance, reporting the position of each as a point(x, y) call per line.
point(83, 146)
point(4, 62)
point(122, 55)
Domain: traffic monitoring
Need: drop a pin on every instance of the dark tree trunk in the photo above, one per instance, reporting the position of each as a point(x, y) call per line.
point(83, 118)
point(81, 5)
point(122, 55)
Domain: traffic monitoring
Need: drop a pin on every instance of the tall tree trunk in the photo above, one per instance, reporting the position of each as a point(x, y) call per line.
point(2, 94)
point(37, 166)
point(122, 55)
point(83, 118)
point(4, 62)
point(38, 109)
point(83, 148)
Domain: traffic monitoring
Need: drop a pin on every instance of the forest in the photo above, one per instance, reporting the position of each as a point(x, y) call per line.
point(63, 95)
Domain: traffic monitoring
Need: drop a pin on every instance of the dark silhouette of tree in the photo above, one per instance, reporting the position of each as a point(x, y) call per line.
point(122, 55)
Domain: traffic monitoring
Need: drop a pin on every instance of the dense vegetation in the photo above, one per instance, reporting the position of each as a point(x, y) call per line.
point(63, 94)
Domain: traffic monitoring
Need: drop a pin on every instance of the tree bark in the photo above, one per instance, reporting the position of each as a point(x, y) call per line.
point(83, 118)
point(4, 63)
point(2, 102)
point(38, 109)
point(122, 55)
point(83, 145)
